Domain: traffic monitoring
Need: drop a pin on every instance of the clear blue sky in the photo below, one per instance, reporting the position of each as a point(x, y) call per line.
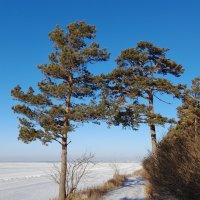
point(120, 24)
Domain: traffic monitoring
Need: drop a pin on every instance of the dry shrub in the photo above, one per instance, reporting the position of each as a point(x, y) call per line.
point(77, 170)
point(174, 170)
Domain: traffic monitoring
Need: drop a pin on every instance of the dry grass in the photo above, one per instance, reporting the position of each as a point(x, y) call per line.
point(98, 191)
point(95, 193)
point(140, 172)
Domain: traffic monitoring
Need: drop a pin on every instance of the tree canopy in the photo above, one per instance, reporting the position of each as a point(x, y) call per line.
point(137, 80)
point(189, 111)
point(66, 96)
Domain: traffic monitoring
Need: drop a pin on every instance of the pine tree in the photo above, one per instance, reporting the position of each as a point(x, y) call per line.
point(189, 111)
point(135, 82)
point(65, 98)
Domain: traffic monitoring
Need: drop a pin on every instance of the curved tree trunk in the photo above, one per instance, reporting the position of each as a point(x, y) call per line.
point(62, 188)
point(152, 126)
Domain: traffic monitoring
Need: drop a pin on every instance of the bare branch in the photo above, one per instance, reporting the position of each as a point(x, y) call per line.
point(57, 141)
point(162, 100)
point(77, 170)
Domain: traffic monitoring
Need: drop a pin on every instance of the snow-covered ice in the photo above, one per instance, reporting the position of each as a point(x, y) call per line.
point(32, 181)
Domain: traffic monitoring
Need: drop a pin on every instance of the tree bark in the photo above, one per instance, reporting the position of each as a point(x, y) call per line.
point(151, 125)
point(62, 188)
point(153, 138)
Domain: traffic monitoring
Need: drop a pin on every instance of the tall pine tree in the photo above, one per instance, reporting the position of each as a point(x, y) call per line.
point(65, 98)
point(135, 83)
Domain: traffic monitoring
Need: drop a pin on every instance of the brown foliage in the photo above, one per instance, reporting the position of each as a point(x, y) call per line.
point(174, 170)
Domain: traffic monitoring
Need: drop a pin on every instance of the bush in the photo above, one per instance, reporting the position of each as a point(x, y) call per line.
point(174, 170)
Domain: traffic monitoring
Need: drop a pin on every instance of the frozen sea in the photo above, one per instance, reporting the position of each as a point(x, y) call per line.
point(32, 181)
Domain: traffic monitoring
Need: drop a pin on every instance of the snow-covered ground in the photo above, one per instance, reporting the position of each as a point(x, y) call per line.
point(32, 181)
point(133, 189)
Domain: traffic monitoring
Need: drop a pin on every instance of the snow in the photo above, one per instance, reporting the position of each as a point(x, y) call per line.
point(133, 189)
point(32, 181)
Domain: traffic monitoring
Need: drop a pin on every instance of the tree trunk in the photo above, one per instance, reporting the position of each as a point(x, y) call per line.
point(151, 125)
point(153, 138)
point(62, 188)
point(63, 174)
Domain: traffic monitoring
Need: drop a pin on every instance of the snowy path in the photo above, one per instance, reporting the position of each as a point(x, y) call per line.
point(133, 189)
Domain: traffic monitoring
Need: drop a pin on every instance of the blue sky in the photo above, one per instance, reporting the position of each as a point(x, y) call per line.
point(24, 44)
